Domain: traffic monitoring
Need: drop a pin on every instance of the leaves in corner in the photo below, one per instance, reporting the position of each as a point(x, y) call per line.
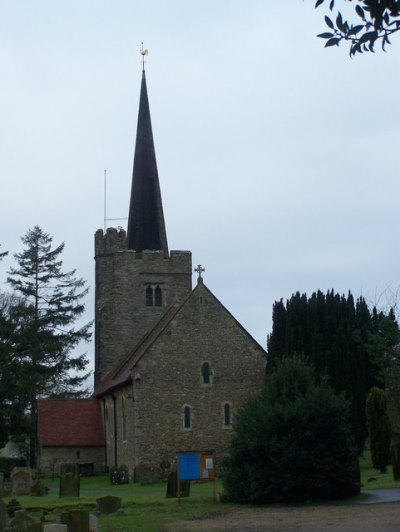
point(329, 23)
point(333, 42)
point(326, 35)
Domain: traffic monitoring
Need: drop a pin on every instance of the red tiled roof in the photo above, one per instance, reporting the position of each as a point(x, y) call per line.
point(69, 422)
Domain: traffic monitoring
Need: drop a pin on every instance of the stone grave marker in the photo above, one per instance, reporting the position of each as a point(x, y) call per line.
point(55, 527)
point(3, 515)
point(21, 521)
point(172, 485)
point(147, 474)
point(123, 475)
point(108, 504)
point(93, 523)
point(69, 480)
point(21, 479)
point(77, 520)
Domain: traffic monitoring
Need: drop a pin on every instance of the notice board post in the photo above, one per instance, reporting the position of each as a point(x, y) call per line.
point(195, 465)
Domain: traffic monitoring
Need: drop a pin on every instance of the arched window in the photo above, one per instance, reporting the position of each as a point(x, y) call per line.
point(149, 296)
point(227, 415)
point(123, 420)
point(157, 297)
point(153, 296)
point(187, 417)
point(206, 373)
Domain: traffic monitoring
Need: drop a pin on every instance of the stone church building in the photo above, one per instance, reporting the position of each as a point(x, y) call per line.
point(172, 365)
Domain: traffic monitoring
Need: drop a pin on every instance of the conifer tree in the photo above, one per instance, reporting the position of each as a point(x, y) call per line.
point(45, 336)
point(342, 338)
point(378, 426)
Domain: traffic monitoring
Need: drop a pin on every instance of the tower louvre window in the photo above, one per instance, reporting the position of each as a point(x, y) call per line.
point(153, 296)
point(157, 297)
point(149, 296)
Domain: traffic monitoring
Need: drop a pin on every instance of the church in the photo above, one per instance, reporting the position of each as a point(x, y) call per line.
point(172, 365)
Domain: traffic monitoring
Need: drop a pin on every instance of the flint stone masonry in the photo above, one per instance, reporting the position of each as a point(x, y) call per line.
point(202, 330)
point(121, 316)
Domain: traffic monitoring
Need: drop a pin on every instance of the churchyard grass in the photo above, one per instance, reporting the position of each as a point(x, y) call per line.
point(147, 509)
point(372, 478)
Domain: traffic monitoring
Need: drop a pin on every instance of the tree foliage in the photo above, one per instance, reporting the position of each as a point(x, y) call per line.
point(292, 442)
point(373, 21)
point(378, 426)
point(342, 338)
point(39, 333)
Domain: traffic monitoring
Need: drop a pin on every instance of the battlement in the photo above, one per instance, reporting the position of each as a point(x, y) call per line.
point(112, 241)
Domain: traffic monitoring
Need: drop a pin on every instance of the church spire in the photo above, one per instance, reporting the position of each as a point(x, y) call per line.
point(146, 226)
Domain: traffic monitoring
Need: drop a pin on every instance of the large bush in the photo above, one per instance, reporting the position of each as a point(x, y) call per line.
point(293, 442)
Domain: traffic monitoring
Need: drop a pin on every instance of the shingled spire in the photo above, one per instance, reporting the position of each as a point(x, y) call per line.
point(146, 226)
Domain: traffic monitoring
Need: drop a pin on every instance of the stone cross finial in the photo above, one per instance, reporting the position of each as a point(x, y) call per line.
point(199, 270)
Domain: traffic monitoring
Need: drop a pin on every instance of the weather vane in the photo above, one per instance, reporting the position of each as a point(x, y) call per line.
point(143, 51)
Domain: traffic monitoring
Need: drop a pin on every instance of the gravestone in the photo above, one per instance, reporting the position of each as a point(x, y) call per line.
point(172, 485)
point(147, 474)
point(21, 480)
point(108, 504)
point(93, 523)
point(69, 480)
point(123, 475)
point(55, 527)
point(21, 521)
point(77, 520)
point(39, 489)
point(3, 515)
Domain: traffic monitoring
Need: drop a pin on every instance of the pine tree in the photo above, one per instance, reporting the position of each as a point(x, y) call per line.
point(378, 426)
point(45, 336)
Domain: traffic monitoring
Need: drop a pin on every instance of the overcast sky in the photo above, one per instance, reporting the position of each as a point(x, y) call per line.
point(277, 158)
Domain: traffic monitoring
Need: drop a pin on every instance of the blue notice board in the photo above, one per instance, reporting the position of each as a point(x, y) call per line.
point(189, 466)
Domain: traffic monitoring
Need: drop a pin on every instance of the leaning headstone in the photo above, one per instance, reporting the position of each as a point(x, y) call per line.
point(21, 521)
point(21, 478)
point(172, 486)
point(3, 515)
point(69, 480)
point(123, 475)
point(108, 504)
point(55, 527)
point(77, 521)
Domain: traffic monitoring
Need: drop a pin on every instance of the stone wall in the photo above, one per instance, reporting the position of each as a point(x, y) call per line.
point(171, 378)
point(122, 275)
point(52, 457)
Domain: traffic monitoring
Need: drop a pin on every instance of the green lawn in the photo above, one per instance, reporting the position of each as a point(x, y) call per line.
point(146, 507)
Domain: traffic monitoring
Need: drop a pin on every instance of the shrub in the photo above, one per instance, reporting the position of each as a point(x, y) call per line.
point(293, 442)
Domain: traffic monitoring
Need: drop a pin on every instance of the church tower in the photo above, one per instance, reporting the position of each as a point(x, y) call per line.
point(137, 278)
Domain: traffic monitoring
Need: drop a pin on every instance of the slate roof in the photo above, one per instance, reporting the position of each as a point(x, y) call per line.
point(70, 422)
point(122, 374)
point(146, 225)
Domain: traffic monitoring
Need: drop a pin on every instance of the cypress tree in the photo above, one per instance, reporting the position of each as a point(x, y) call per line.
point(378, 426)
